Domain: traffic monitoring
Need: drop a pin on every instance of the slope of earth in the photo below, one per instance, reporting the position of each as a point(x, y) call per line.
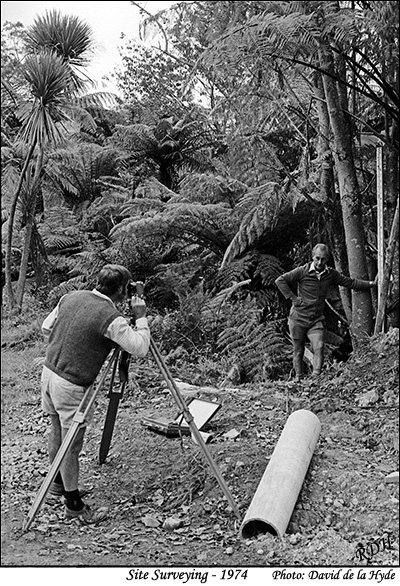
point(149, 479)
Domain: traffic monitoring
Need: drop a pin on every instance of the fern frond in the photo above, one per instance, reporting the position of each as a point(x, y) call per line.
point(59, 242)
point(153, 189)
point(258, 349)
point(73, 284)
point(262, 217)
point(59, 218)
point(216, 303)
point(98, 101)
point(235, 272)
point(4, 215)
point(201, 224)
point(268, 268)
point(210, 188)
point(89, 263)
point(136, 137)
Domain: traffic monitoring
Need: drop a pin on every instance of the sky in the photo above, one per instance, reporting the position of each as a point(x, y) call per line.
point(108, 21)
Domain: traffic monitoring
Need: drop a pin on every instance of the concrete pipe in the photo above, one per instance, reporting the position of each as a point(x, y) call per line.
point(276, 495)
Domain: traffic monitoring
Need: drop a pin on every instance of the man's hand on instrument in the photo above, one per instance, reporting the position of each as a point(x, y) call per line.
point(138, 307)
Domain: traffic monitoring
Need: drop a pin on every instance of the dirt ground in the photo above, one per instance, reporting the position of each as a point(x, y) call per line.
point(344, 505)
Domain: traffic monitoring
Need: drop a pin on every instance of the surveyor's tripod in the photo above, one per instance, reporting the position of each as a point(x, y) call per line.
point(84, 408)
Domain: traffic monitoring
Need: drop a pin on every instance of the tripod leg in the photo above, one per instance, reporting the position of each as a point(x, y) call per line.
point(115, 397)
point(110, 417)
point(193, 428)
point(79, 418)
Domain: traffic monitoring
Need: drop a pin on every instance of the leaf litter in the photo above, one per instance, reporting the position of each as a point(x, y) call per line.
point(164, 500)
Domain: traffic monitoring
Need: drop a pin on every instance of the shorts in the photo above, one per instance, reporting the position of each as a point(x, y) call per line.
point(61, 397)
point(299, 332)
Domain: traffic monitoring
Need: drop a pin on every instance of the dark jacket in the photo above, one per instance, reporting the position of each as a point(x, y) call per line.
point(308, 292)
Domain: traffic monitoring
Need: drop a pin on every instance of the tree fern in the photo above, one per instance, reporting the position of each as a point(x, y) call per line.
point(212, 188)
point(59, 229)
point(262, 217)
point(213, 306)
point(202, 224)
point(57, 243)
point(151, 188)
point(77, 173)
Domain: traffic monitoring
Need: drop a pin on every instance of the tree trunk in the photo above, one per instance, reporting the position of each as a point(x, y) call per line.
point(28, 233)
point(39, 258)
point(391, 188)
point(393, 241)
point(11, 220)
point(350, 197)
point(327, 185)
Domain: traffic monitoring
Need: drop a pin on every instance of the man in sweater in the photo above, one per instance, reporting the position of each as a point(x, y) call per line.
point(307, 287)
point(81, 331)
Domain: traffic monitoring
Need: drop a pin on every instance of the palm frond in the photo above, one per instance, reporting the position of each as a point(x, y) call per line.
point(44, 118)
point(67, 36)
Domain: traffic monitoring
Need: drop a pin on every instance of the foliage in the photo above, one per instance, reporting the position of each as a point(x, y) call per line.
point(261, 207)
point(67, 36)
point(235, 321)
point(78, 174)
point(228, 329)
point(172, 146)
point(211, 171)
point(41, 118)
point(151, 96)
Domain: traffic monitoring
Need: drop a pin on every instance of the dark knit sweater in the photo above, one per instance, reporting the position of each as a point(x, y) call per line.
point(308, 292)
point(77, 344)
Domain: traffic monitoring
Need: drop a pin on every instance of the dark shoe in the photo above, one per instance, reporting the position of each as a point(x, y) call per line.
point(316, 378)
point(87, 515)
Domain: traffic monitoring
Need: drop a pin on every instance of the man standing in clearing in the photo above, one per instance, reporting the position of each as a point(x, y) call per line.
point(81, 331)
point(307, 287)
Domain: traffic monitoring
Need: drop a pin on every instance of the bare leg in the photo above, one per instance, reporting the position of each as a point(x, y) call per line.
point(298, 354)
point(70, 465)
point(69, 468)
point(317, 342)
point(54, 442)
point(298, 336)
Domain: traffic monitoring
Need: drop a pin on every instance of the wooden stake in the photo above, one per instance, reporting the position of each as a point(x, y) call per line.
point(380, 232)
